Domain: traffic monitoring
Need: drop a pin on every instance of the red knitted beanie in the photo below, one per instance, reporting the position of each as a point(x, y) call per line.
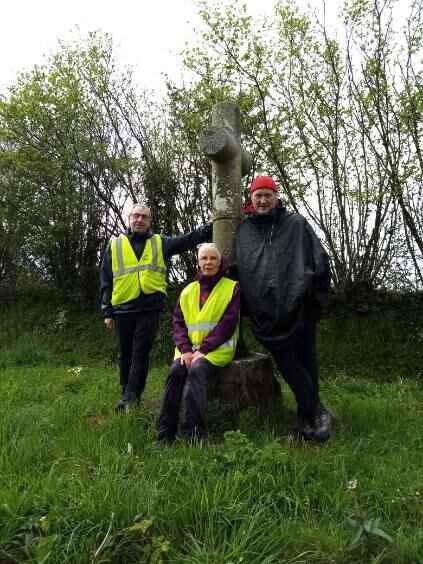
point(263, 182)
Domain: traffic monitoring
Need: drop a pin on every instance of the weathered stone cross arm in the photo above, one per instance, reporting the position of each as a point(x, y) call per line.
point(221, 144)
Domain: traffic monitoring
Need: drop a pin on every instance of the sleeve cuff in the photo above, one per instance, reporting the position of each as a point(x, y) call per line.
point(185, 349)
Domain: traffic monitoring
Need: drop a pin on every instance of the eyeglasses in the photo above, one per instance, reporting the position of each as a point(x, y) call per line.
point(140, 216)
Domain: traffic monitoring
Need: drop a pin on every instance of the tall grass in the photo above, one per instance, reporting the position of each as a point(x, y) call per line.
point(79, 484)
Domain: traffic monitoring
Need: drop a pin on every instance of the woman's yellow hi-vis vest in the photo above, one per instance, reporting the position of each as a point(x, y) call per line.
point(132, 276)
point(200, 322)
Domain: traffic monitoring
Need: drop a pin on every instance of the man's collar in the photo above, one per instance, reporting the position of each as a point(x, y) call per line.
point(140, 236)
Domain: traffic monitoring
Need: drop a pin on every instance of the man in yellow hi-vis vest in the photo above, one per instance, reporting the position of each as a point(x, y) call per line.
point(133, 293)
point(205, 331)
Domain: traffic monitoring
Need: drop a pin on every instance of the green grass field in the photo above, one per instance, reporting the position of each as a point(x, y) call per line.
point(79, 484)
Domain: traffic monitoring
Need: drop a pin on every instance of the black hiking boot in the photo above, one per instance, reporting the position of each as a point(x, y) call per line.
point(305, 428)
point(165, 439)
point(323, 424)
point(122, 406)
point(127, 403)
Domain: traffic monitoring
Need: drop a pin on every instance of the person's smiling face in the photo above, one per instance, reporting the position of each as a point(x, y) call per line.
point(208, 261)
point(140, 219)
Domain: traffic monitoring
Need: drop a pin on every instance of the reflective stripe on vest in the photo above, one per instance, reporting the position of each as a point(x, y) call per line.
point(154, 267)
point(200, 322)
point(132, 276)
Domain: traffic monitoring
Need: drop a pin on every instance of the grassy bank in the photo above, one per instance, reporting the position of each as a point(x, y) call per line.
point(381, 340)
point(79, 484)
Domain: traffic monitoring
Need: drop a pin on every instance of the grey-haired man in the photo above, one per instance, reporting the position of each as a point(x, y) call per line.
point(133, 293)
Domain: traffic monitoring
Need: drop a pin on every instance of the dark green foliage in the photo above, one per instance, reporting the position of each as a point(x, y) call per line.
point(381, 335)
point(38, 327)
point(380, 338)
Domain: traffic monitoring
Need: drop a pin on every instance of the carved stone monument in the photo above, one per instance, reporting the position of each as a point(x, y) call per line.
point(248, 381)
point(221, 143)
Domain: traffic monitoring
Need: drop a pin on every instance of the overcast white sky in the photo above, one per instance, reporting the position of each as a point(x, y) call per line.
point(147, 33)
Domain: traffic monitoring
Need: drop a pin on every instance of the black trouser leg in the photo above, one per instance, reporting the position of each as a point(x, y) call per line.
point(125, 325)
point(194, 423)
point(167, 423)
point(146, 327)
point(296, 359)
point(309, 356)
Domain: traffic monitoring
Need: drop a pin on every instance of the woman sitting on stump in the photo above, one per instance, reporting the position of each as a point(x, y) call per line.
point(205, 332)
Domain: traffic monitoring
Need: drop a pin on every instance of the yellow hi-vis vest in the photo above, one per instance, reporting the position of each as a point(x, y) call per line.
point(200, 322)
point(132, 276)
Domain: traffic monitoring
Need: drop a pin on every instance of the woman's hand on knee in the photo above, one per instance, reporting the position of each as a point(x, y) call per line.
point(186, 359)
point(196, 356)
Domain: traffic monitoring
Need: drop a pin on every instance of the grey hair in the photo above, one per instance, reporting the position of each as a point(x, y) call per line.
point(138, 205)
point(212, 246)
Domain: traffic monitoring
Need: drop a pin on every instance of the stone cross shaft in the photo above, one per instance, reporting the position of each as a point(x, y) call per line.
point(221, 143)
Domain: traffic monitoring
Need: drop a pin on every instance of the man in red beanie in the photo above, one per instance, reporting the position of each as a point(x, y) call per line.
point(284, 276)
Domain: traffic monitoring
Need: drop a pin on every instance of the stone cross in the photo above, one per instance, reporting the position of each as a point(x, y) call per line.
point(221, 143)
point(248, 381)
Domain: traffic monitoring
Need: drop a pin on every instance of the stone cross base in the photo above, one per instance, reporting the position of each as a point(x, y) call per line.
point(247, 382)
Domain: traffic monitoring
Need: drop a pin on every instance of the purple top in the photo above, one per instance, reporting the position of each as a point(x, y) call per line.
point(225, 327)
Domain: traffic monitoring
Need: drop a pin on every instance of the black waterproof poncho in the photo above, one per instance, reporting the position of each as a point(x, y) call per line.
point(283, 272)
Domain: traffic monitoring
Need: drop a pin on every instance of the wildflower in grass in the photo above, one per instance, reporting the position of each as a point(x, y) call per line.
point(44, 523)
point(352, 484)
point(76, 370)
point(61, 320)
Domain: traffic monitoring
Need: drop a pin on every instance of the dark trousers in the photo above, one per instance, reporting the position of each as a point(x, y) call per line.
point(296, 358)
point(136, 332)
point(186, 391)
